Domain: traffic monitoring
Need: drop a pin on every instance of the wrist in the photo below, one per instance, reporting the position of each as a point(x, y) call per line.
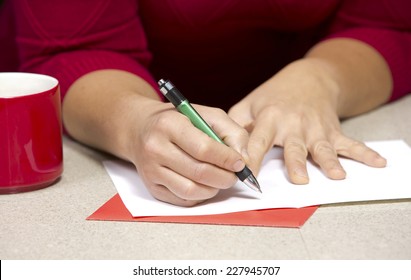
point(100, 108)
point(135, 113)
point(308, 81)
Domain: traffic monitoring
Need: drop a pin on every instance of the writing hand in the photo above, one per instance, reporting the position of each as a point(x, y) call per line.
point(179, 163)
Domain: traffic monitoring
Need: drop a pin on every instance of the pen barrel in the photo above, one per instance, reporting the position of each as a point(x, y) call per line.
point(175, 97)
point(186, 109)
point(171, 92)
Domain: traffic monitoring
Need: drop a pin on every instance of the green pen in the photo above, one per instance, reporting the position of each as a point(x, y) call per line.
point(183, 106)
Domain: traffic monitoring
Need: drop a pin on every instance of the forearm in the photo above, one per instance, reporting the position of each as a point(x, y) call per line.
point(362, 79)
point(99, 107)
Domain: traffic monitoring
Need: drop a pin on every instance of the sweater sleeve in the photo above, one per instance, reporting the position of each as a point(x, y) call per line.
point(386, 26)
point(68, 39)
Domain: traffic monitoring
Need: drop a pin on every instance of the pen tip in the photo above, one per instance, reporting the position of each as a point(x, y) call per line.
point(252, 183)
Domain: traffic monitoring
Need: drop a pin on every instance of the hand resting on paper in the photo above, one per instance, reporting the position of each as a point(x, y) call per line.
point(299, 109)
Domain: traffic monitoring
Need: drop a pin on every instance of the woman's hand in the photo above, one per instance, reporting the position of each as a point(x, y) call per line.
point(120, 113)
point(297, 109)
point(179, 163)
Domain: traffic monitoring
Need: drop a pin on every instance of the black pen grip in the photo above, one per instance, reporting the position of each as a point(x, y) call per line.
point(243, 174)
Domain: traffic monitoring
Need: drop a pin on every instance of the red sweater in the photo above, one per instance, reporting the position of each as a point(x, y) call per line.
point(214, 51)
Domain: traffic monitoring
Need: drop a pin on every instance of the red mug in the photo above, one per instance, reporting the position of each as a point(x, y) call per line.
point(31, 154)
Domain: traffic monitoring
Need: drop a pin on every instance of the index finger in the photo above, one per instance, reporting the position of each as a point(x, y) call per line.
point(261, 139)
point(229, 131)
point(203, 148)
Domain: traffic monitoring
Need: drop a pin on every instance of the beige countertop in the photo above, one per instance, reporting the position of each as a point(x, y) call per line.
point(51, 223)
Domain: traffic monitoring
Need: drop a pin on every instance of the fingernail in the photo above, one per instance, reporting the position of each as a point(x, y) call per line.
point(238, 165)
point(337, 173)
point(380, 161)
point(300, 177)
point(300, 172)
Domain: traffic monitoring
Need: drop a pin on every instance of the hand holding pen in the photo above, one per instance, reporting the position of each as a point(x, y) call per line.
point(184, 107)
point(179, 163)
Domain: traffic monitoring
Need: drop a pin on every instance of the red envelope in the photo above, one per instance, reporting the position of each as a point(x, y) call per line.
point(114, 210)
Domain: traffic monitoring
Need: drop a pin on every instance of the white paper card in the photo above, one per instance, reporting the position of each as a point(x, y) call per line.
point(362, 183)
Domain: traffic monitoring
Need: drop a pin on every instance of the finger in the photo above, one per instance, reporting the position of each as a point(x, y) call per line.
point(175, 158)
point(241, 114)
point(324, 154)
point(261, 139)
point(182, 191)
point(295, 157)
point(360, 152)
point(183, 187)
point(163, 194)
point(197, 171)
point(230, 132)
point(203, 148)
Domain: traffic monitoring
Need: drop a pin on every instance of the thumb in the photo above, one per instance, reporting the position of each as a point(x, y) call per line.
point(241, 114)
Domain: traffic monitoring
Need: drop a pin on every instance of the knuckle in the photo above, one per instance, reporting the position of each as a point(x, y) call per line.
point(199, 172)
point(189, 191)
point(162, 122)
point(271, 111)
point(151, 147)
point(202, 149)
point(241, 133)
point(358, 146)
point(350, 148)
point(218, 112)
point(321, 148)
point(295, 145)
point(159, 124)
point(260, 141)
